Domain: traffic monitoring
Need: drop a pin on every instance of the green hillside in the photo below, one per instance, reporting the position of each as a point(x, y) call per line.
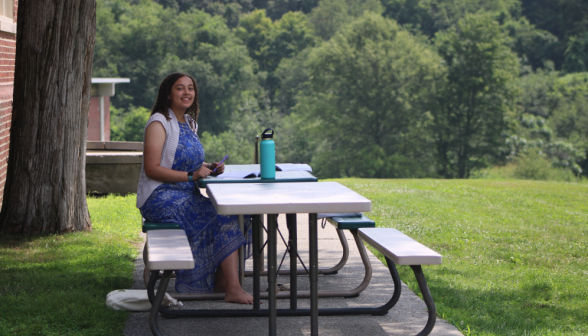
point(362, 88)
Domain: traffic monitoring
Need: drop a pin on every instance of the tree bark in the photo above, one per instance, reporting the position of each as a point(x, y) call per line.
point(45, 189)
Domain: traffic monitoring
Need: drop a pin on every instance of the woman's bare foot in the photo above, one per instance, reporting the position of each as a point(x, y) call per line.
point(238, 296)
point(228, 277)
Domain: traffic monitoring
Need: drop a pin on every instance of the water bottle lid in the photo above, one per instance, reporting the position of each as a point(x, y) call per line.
point(265, 135)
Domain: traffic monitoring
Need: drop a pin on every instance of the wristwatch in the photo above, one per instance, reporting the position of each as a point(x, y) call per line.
point(190, 176)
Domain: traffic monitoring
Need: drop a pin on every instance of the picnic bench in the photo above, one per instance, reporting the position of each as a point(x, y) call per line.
point(149, 226)
point(167, 250)
point(339, 221)
point(400, 249)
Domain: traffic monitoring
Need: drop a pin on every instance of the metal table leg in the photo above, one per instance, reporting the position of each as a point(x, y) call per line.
point(293, 243)
point(256, 222)
point(272, 265)
point(313, 251)
point(242, 251)
point(260, 236)
point(418, 273)
point(156, 302)
point(335, 269)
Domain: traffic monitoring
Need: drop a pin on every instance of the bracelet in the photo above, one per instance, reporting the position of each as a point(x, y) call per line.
point(190, 176)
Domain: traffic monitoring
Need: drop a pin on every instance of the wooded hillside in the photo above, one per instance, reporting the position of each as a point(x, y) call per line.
point(366, 88)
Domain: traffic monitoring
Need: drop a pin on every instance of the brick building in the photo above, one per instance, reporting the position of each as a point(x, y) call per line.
point(99, 110)
point(8, 10)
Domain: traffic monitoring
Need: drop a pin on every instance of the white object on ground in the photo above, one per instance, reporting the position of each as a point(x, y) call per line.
point(136, 300)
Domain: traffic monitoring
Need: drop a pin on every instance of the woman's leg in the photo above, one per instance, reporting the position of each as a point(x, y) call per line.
point(220, 285)
point(233, 290)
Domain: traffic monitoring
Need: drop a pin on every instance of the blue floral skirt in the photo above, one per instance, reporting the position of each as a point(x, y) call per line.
point(212, 237)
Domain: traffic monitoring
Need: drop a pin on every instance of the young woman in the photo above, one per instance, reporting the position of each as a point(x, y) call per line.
point(173, 159)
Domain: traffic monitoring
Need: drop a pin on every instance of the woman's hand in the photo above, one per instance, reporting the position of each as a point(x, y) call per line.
point(220, 168)
point(202, 172)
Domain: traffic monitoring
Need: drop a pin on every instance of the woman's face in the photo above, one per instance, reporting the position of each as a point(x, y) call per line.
point(182, 94)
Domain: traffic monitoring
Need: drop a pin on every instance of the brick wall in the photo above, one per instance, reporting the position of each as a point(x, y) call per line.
point(94, 119)
point(7, 56)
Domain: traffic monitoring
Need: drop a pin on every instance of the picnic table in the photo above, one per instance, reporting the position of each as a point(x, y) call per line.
point(272, 199)
point(289, 176)
point(292, 176)
point(292, 198)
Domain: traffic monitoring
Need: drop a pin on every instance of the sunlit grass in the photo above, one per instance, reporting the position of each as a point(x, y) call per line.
point(515, 253)
point(57, 285)
point(515, 258)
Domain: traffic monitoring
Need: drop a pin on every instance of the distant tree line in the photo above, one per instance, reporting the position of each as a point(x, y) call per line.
point(366, 88)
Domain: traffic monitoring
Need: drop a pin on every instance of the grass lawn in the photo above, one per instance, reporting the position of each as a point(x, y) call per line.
point(57, 285)
point(514, 258)
point(515, 253)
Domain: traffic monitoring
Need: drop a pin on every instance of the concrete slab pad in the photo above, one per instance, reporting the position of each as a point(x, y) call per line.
point(408, 317)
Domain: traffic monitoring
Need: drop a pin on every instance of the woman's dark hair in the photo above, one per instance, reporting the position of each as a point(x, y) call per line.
point(163, 103)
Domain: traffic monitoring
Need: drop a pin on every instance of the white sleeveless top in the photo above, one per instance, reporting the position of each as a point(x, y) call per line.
point(172, 136)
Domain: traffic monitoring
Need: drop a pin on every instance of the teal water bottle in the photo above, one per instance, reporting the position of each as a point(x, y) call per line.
point(267, 154)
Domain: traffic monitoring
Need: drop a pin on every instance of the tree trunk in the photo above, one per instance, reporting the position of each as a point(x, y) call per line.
point(45, 189)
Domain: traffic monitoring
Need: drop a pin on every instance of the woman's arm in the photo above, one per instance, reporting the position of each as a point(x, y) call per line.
point(154, 140)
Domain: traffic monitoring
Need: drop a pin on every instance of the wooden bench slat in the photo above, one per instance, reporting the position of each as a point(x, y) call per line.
point(168, 250)
point(399, 247)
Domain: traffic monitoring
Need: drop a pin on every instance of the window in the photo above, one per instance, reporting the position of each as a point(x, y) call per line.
point(7, 16)
point(7, 8)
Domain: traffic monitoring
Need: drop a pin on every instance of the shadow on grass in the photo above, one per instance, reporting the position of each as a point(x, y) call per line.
point(13, 241)
point(57, 285)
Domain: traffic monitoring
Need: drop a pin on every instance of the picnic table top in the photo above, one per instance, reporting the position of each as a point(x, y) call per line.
point(303, 197)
